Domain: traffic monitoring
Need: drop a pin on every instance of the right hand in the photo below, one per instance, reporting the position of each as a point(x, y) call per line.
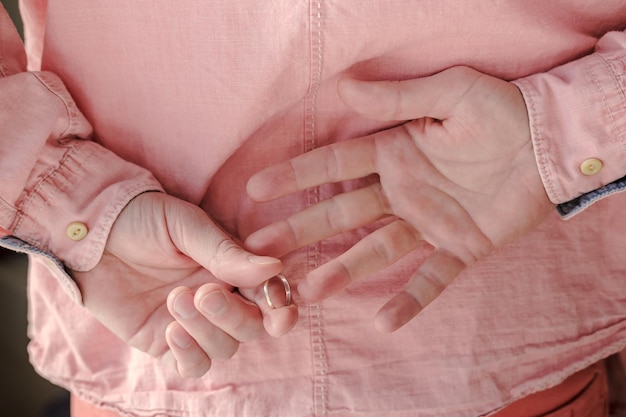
point(165, 257)
point(459, 175)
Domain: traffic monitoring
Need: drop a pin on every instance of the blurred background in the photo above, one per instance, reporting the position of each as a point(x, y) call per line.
point(23, 393)
point(11, 7)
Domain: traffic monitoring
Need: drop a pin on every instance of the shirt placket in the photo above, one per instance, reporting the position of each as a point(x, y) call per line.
point(318, 346)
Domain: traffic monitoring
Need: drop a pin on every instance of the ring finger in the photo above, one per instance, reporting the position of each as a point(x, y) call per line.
point(376, 251)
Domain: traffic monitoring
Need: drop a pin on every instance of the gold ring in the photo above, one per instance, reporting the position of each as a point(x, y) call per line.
point(266, 291)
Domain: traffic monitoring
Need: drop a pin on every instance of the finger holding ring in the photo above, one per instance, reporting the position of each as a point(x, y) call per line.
point(287, 287)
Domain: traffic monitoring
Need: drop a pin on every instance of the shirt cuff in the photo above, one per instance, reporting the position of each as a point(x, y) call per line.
point(575, 206)
point(70, 211)
point(67, 216)
point(54, 264)
point(577, 117)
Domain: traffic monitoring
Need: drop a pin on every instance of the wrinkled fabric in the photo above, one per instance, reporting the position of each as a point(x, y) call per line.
point(193, 98)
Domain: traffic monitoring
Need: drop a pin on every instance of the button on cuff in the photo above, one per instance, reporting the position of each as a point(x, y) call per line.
point(77, 231)
point(591, 166)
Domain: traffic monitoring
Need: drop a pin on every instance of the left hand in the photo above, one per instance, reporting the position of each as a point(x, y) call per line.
point(166, 285)
point(460, 175)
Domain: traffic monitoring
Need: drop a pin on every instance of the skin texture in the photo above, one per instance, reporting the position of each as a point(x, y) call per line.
point(459, 175)
point(170, 274)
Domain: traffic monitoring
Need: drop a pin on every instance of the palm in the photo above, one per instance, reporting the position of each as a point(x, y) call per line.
point(482, 170)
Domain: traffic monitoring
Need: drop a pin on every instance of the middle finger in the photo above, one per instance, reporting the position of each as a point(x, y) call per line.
point(214, 301)
point(335, 215)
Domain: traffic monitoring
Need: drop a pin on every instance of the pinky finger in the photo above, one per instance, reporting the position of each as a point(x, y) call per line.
point(191, 360)
point(378, 250)
point(437, 272)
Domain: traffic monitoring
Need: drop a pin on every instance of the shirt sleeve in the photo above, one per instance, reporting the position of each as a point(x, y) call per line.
point(60, 191)
point(577, 115)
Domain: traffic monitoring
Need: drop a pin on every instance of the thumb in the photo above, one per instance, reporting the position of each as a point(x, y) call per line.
point(195, 234)
point(434, 96)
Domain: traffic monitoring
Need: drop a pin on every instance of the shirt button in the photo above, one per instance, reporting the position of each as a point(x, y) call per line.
point(591, 166)
point(77, 231)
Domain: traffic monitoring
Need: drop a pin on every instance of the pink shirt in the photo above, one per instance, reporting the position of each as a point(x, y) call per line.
point(199, 95)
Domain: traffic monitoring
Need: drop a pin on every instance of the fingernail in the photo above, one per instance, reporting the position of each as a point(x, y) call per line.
point(181, 338)
point(262, 260)
point(214, 303)
point(183, 306)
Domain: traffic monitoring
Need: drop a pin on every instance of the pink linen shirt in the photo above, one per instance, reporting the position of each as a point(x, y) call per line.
point(193, 97)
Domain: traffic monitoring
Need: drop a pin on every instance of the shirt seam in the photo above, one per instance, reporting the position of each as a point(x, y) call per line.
point(538, 141)
point(605, 101)
point(318, 348)
point(49, 84)
point(29, 198)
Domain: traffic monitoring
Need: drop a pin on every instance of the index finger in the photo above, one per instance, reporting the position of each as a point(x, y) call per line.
point(337, 162)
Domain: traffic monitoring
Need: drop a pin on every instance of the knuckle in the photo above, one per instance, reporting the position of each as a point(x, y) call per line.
point(292, 235)
point(382, 251)
point(225, 248)
point(398, 101)
point(433, 280)
point(380, 198)
point(223, 251)
point(335, 218)
point(332, 162)
point(404, 237)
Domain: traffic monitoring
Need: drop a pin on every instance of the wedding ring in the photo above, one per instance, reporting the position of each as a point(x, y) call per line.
point(266, 291)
